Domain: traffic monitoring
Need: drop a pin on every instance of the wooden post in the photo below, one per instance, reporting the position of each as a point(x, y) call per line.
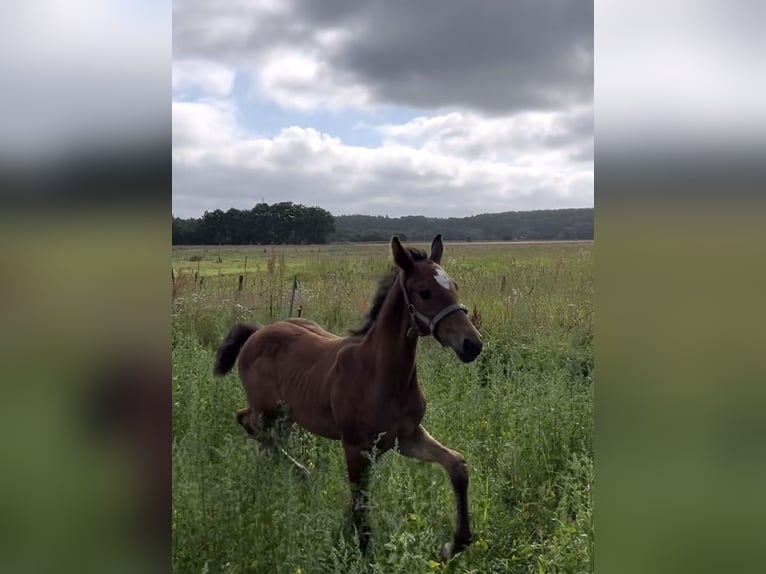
point(292, 296)
point(241, 279)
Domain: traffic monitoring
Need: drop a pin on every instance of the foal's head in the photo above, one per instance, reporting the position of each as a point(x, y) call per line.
point(432, 297)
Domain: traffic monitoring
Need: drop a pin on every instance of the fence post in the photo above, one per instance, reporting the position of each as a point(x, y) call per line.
point(241, 279)
point(292, 296)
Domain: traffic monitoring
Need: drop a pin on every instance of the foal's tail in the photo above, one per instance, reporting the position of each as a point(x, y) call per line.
point(229, 349)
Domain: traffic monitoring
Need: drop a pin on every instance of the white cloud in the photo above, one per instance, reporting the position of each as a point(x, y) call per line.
point(537, 137)
point(218, 166)
point(302, 81)
point(201, 127)
point(211, 78)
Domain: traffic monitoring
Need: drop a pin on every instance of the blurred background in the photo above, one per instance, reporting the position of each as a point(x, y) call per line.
point(680, 460)
point(85, 179)
point(85, 190)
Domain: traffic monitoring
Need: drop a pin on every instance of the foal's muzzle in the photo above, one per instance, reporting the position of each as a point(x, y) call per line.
point(471, 349)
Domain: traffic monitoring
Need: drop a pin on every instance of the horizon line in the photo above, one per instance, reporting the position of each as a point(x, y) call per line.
point(396, 216)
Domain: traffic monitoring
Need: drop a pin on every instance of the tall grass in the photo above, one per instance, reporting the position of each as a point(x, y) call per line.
point(521, 414)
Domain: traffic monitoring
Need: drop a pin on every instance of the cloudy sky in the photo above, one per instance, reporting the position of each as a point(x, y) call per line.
point(435, 107)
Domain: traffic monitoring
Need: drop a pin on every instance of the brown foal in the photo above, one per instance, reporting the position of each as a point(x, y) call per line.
point(362, 389)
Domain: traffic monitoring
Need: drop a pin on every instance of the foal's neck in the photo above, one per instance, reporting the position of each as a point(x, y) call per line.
point(395, 351)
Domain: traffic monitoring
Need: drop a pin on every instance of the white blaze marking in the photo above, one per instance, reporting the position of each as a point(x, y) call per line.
point(442, 278)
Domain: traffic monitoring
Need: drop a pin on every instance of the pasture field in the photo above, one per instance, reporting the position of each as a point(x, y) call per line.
point(521, 414)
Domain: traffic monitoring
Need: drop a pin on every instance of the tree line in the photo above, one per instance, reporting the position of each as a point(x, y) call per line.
point(284, 223)
point(264, 224)
point(550, 224)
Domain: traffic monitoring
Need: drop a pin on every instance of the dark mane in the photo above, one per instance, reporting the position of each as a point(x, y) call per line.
point(384, 286)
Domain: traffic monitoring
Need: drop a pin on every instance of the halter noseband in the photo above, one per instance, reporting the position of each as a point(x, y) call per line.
point(415, 315)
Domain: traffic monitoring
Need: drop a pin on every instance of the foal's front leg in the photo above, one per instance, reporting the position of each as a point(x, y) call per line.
point(358, 466)
point(423, 446)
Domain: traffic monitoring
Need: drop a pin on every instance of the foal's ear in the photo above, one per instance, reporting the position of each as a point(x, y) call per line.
point(402, 257)
point(437, 248)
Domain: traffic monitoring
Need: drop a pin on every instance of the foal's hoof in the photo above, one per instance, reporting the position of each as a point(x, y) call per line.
point(450, 550)
point(446, 552)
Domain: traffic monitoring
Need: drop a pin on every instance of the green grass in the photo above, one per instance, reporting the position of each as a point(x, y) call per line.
point(521, 414)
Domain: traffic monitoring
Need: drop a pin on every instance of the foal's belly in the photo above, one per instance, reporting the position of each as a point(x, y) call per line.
point(318, 423)
point(309, 409)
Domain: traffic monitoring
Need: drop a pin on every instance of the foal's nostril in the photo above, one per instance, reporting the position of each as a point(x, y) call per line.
point(471, 348)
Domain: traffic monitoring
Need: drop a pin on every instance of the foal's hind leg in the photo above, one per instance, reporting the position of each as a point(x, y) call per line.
point(261, 426)
point(258, 425)
point(423, 446)
point(245, 419)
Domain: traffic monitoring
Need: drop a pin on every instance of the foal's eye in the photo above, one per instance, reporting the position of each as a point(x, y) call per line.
point(424, 294)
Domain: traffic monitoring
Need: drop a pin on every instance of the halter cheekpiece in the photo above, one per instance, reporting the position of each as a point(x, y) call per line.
point(421, 325)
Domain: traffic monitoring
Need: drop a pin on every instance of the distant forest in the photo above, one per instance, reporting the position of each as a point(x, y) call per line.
point(263, 225)
point(292, 223)
point(506, 226)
